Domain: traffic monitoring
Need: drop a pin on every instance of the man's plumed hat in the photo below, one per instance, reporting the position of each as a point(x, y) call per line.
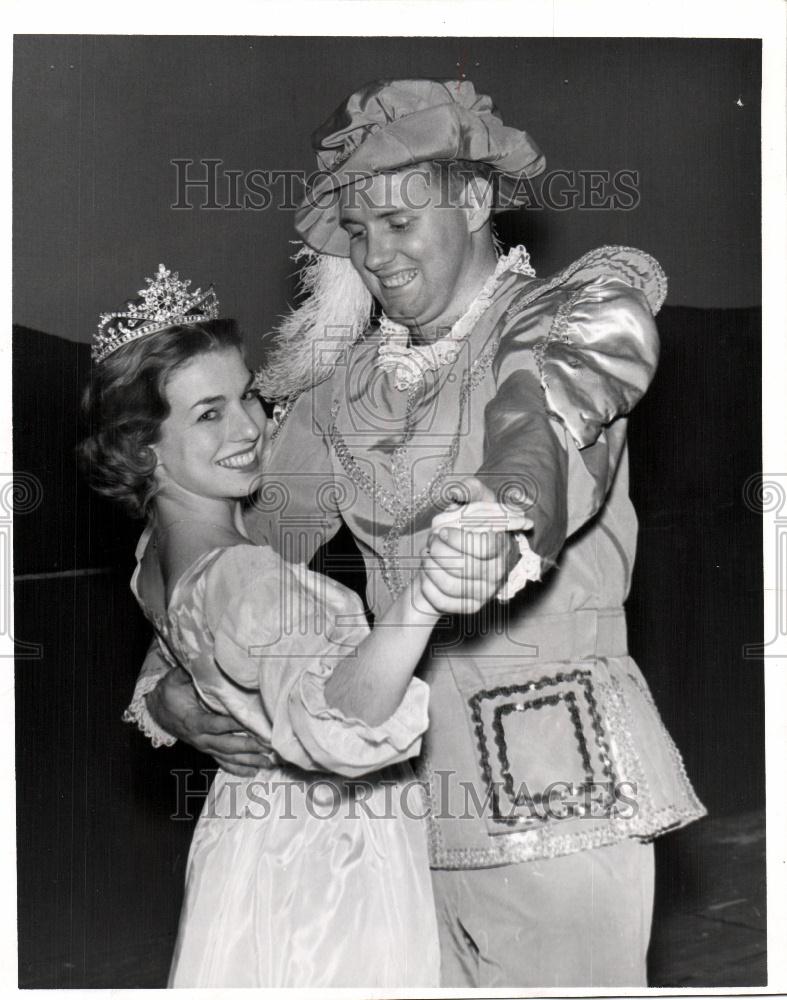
point(392, 124)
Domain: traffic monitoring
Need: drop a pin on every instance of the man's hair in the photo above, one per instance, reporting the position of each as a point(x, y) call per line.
point(456, 176)
point(452, 178)
point(125, 405)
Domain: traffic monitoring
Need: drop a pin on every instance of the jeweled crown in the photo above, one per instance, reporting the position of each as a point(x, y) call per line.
point(165, 302)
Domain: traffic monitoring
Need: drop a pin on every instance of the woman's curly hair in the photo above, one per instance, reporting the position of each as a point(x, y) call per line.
point(125, 405)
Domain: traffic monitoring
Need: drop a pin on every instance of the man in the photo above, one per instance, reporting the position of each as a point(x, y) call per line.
point(547, 766)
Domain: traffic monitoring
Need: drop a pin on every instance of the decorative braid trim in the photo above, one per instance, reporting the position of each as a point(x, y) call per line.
point(647, 276)
point(535, 846)
point(557, 331)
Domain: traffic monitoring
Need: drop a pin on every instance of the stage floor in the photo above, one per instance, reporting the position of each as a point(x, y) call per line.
point(709, 922)
point(709, 925)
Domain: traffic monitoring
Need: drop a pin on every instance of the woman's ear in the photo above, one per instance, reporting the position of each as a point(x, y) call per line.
point(150, 454)
point(479, 203)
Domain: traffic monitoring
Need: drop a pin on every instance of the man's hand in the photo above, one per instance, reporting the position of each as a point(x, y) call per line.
point(174, 705)
point(469, 490)
point(468, 556)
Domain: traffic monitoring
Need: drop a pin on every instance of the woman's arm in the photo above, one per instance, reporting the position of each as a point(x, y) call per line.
point(371, 683)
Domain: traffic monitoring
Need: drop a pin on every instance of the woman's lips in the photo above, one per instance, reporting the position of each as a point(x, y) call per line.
point(241, 460)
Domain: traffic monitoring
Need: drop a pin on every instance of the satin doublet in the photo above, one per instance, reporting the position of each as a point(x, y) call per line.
point(535, 702)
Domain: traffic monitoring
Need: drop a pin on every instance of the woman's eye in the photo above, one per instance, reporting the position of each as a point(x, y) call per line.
point(400, 225)
point(249, 394)
point(208, 415)
point(355, 235)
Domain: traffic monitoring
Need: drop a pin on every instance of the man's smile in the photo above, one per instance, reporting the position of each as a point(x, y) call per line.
point(397, 280)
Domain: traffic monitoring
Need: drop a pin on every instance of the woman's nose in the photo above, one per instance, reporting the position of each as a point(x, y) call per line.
point(245, 427)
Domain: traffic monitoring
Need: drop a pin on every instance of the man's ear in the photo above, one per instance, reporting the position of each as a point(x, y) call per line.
point(479, 203)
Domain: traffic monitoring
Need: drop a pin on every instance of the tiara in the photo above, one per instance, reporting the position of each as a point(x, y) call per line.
point(165, 302)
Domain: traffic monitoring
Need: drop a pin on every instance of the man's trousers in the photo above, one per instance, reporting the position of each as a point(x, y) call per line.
point(579, 920)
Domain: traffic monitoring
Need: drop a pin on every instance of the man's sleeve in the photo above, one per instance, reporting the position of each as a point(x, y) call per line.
point(553, 434)
point(296, 508)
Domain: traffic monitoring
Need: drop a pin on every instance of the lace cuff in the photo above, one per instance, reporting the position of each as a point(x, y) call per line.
point(138, 714)
point(528, 568)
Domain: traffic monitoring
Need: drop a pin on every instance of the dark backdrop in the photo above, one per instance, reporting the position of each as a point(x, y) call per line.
point(97, 120)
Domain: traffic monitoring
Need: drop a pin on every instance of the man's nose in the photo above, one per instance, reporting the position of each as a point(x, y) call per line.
point(378, 251)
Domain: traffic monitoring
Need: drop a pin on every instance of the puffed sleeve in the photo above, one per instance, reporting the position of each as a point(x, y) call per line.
point(596, 358)
point(280, 631)
point(571, 362)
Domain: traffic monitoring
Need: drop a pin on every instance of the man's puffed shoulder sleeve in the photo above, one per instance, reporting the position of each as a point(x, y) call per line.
point(570, 363)
point(596, 359)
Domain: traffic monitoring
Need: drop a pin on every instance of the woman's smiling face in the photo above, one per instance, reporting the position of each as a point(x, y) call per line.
point(211, 443)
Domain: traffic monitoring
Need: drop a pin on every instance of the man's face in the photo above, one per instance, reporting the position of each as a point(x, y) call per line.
point(413, 251)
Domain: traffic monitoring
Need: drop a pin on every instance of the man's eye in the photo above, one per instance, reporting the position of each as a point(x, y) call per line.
point(249, 394)
point(400, 225)
point(355, 234)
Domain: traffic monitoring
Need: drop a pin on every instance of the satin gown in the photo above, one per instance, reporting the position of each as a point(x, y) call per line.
point(315, 872)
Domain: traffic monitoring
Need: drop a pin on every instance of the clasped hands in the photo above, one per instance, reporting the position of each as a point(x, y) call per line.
point(468, 556)
point(470, 550)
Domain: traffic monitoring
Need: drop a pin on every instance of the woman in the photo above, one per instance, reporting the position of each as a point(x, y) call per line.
point(293, 879)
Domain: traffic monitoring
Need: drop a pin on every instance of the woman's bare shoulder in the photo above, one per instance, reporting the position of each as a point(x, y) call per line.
point(181, 548)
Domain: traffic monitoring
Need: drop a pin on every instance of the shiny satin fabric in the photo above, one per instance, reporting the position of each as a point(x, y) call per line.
point(297, 877)
point(391, 455)
point(596, 361)
point(390, 124)
point(302, 898)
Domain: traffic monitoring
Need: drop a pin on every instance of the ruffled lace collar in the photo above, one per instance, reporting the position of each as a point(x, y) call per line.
point(410, 363)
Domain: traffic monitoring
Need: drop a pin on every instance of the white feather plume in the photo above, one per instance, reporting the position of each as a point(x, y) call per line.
point(308, 343)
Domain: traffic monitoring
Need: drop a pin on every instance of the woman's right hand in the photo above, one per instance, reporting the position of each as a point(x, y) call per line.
point(174, 705)
point(468, 556)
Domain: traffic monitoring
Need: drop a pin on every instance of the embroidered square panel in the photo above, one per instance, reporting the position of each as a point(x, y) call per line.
point(544, 751)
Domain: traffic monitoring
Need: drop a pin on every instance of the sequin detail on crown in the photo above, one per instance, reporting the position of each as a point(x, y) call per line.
point(165, 302)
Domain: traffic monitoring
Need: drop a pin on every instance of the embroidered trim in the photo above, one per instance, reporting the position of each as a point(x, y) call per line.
point(404, 510)
point(549, 840)
point(557, 331)
point(280, 413)
point(608, 255)
point(674, 753)
point(383, 497)
point(581, 677)
point(570, 701)
point(544, 843)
